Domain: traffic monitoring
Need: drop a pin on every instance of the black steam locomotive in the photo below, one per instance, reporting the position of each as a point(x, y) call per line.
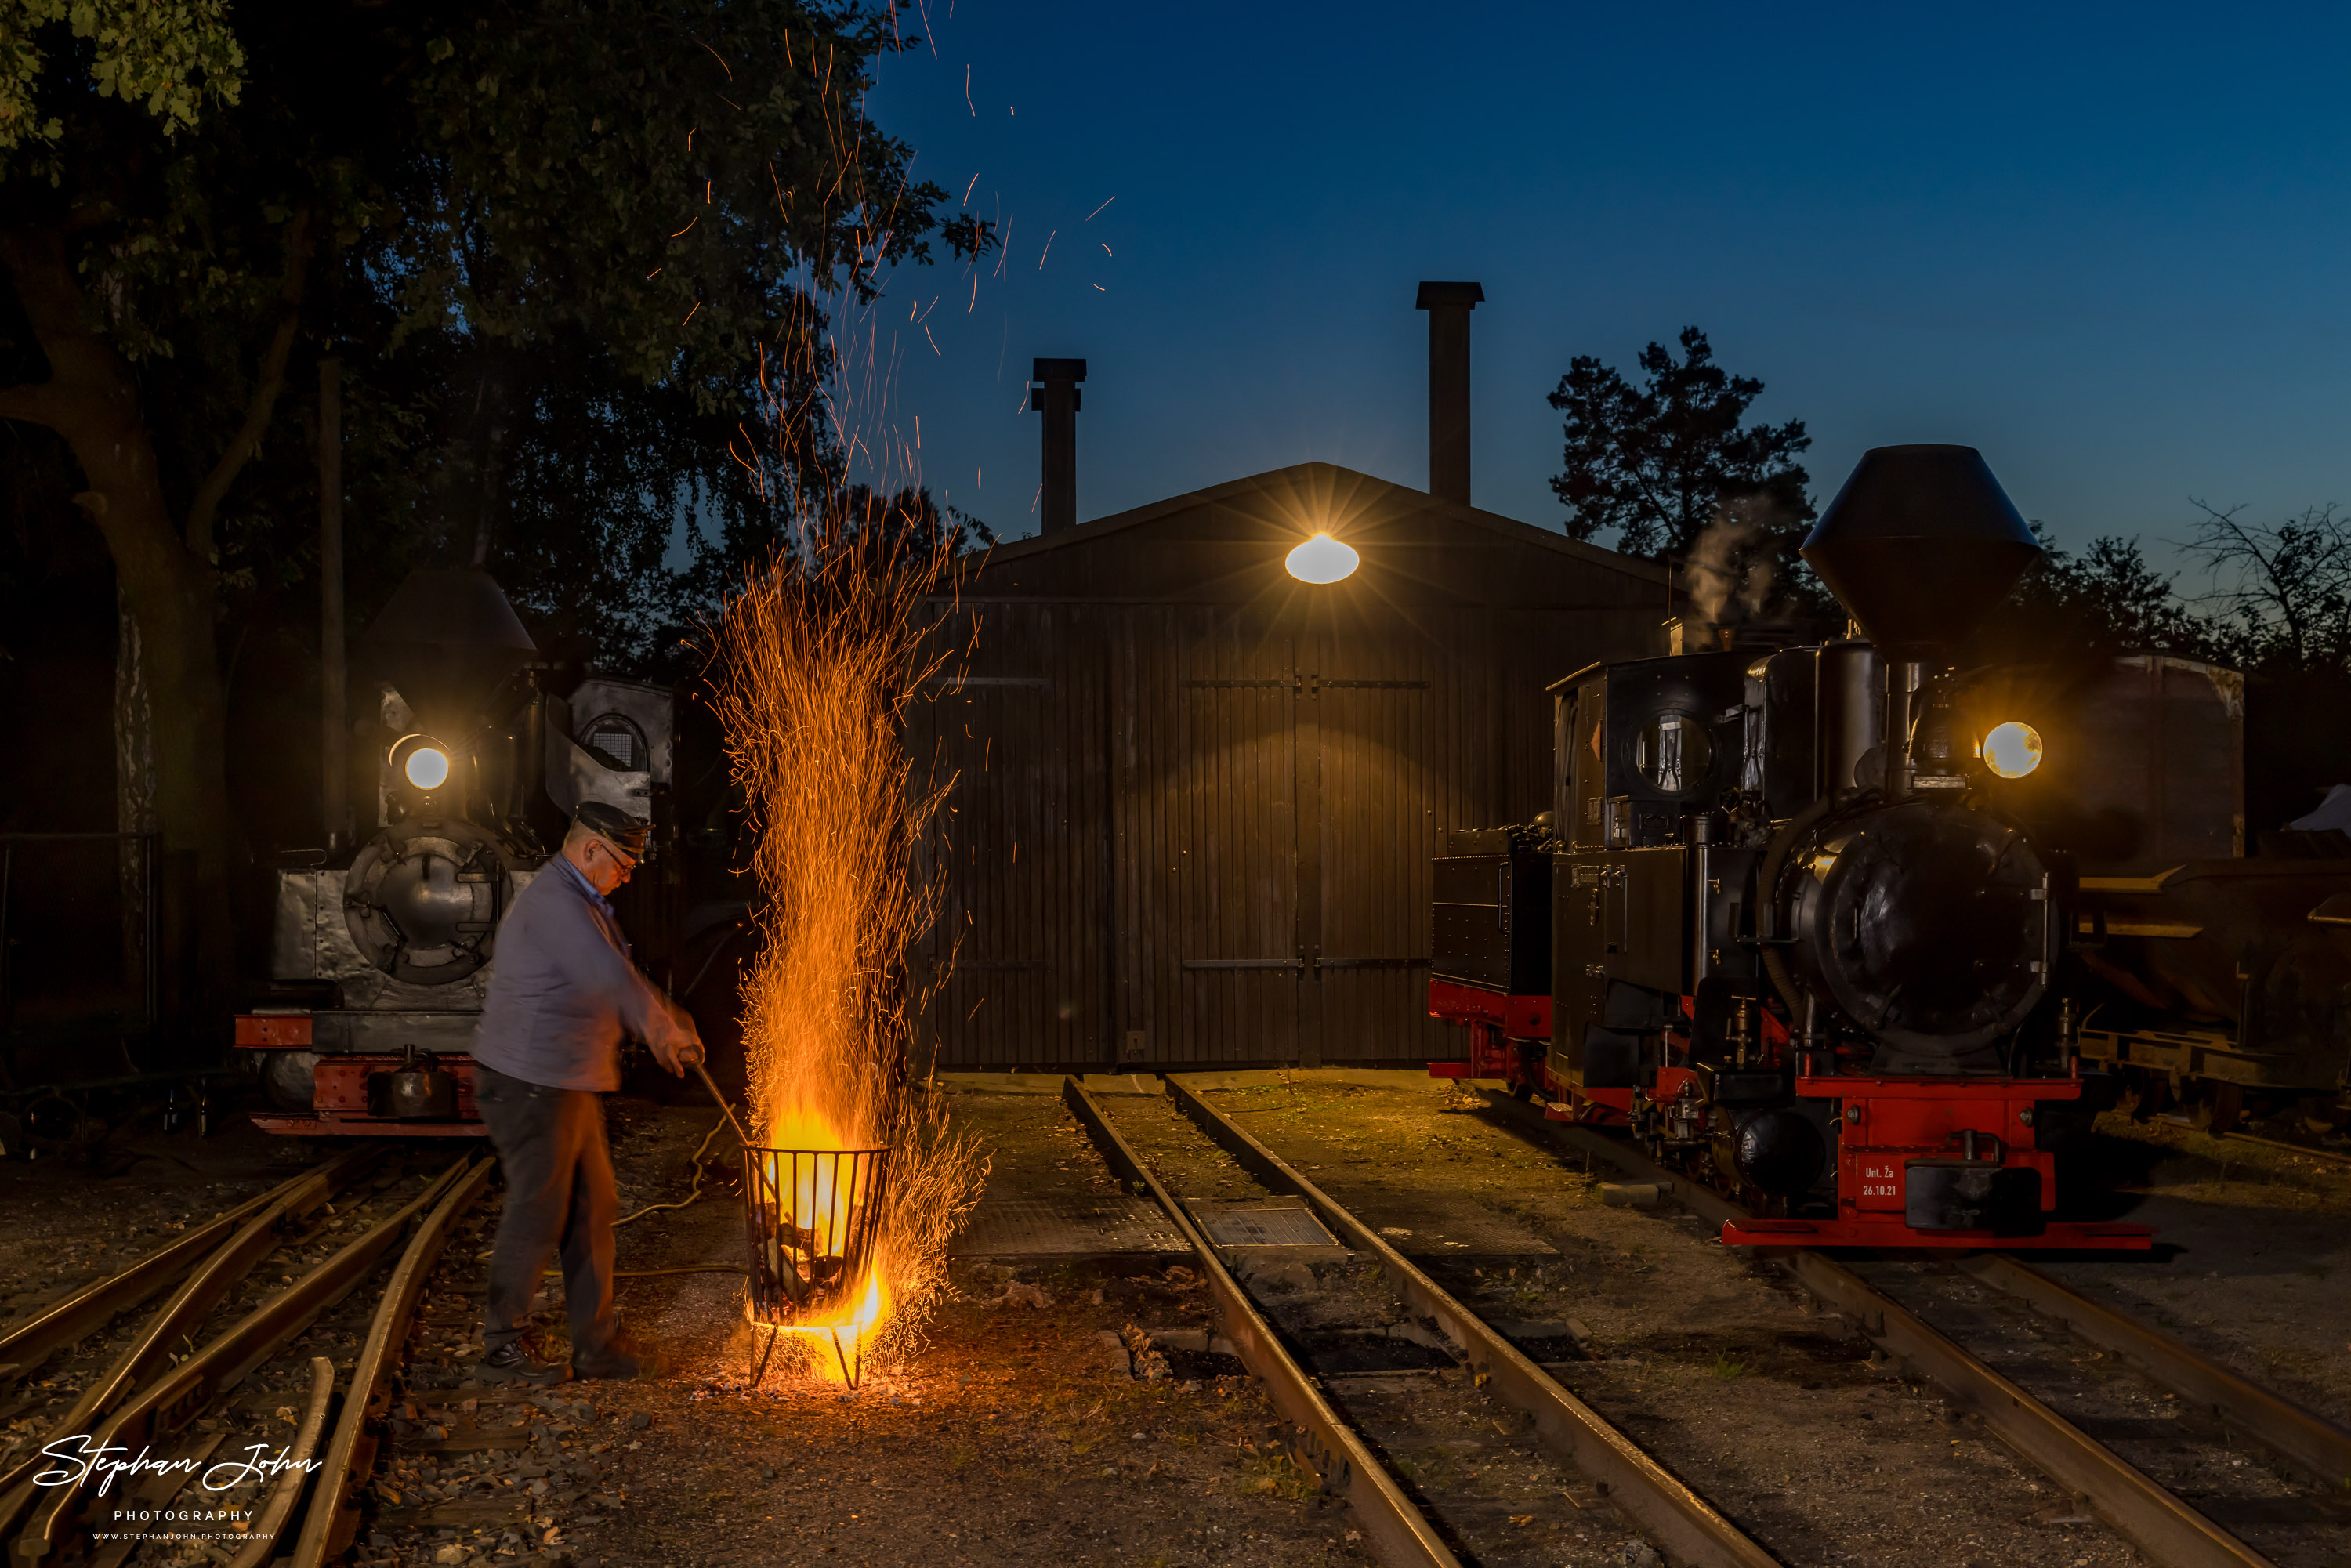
point(381, 952)
point(1814, 923)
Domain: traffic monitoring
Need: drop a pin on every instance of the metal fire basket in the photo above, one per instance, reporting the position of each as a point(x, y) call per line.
point(813, 1215)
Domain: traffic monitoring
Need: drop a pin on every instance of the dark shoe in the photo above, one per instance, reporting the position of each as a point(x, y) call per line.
point(512, 1364)
point(619, 1362)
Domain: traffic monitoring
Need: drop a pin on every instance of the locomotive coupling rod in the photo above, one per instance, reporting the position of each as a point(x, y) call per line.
point(1400, 1534)
point(2160, 1524)
point(2309, 1439)
point(1684, 1524)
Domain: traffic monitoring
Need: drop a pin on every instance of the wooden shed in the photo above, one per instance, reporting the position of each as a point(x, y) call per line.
point(1196, 800)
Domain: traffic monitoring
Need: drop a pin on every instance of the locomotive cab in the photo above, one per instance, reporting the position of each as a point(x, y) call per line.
point(1800, 946)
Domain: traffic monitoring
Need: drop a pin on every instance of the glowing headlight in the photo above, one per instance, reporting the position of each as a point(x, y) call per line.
point(1323, 560)
point(2011, 750)
point(428, 767)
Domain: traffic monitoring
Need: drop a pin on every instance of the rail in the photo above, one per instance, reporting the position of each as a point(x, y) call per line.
point(1684, 1524)
point(2161, 1525)
point(173, 1399)
point(1399, 1533)
point(333, 1518)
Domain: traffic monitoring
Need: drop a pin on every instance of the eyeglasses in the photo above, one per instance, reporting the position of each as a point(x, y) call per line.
point(621, 859)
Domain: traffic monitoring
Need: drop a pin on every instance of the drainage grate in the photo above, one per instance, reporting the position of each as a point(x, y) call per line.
point(1013, 1226)
point(1247, 1226)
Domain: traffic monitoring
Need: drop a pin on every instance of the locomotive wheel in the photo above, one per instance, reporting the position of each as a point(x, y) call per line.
point(2218, 1109)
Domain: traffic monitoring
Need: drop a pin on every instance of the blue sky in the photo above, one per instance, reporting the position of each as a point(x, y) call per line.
point(2107, 245)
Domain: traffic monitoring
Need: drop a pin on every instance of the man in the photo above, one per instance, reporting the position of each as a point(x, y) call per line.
point(548, 1050)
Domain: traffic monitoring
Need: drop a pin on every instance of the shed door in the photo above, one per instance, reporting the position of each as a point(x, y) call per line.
point(1236, 940)
point(1375, 814)
point(1284, 917)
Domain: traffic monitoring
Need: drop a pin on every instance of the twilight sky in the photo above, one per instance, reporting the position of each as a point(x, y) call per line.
point(2107, 245)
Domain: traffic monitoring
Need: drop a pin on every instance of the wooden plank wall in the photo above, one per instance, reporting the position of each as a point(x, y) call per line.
point(1186, 834)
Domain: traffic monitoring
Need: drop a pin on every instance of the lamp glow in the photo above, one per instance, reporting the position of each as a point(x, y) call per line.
point(1323, 560)
point(428, 767)
point(2012, 750)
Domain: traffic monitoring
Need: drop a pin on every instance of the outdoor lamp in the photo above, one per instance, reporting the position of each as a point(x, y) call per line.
point(1323, 560)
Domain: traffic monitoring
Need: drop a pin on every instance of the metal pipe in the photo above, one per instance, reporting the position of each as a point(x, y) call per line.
point(334, 667)
point(704, 1072)
point(1902, 678)
point(1448, 306)
point(1056, 396)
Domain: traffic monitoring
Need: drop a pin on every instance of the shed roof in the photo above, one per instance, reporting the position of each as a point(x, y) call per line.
point(1361, 492)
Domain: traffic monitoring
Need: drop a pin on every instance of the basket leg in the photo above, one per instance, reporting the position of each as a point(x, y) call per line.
point(773, 1335)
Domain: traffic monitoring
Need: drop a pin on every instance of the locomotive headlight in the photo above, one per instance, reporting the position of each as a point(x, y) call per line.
point(427, 768)
point(1323, 560)
point(2011, 750)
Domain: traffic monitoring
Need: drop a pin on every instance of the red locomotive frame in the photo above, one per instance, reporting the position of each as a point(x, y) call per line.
point(343, 1087)
point(1884, 1124)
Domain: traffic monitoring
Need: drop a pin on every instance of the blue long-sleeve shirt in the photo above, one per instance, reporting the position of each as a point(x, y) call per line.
point(563, 990)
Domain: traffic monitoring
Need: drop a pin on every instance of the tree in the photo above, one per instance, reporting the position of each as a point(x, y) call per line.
point(2106, 601)
point(1657, 464)
point(2283, 591)
point(651, 201)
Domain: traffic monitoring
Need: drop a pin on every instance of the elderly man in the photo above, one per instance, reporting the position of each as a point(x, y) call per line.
point(562, 995)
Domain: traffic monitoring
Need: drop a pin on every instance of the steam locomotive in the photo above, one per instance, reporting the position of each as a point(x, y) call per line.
point(382, 953)
point(1836, 929)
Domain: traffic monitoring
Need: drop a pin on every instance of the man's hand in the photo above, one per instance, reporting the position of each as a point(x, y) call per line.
point(679, 1046)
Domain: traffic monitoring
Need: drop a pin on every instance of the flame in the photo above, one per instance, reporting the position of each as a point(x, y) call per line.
point(821, 652)
point(843, 1335)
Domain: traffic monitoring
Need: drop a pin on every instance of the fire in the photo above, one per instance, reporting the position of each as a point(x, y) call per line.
point(837, 1340)
point(819, 655)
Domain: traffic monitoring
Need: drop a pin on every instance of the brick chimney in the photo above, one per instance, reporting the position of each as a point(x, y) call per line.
point(1053, 393)
point(1448, 306)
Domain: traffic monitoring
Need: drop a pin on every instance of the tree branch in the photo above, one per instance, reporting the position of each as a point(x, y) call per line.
point(32, 404)
point(263, 401)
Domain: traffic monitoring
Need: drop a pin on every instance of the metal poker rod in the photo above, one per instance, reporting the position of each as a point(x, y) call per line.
point(723, 1105)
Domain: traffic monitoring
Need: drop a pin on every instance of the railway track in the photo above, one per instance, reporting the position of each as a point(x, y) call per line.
point(2149, 1441)
point(1354, 1437)
point(194, 1355)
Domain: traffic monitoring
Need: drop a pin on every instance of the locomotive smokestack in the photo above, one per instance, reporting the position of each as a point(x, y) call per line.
point(1056, 396)
point(1918, 546)
point(445, 640)
point(1448, 306)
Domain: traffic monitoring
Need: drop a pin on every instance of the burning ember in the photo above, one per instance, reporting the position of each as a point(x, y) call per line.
point(855, 1181)
point(811, 1214)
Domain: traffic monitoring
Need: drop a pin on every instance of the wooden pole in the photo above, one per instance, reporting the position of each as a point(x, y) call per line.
point(334, 672)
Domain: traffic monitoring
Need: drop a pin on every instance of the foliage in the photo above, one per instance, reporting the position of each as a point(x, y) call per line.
point(568, 258)
point(1656, 463)
point(169, 58)
point(2106, 601)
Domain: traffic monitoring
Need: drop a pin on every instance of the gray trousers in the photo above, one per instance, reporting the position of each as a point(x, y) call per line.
point(559, 1193)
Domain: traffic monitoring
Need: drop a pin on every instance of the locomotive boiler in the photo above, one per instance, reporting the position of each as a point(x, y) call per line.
point(1797, 941)
point(382, 953)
